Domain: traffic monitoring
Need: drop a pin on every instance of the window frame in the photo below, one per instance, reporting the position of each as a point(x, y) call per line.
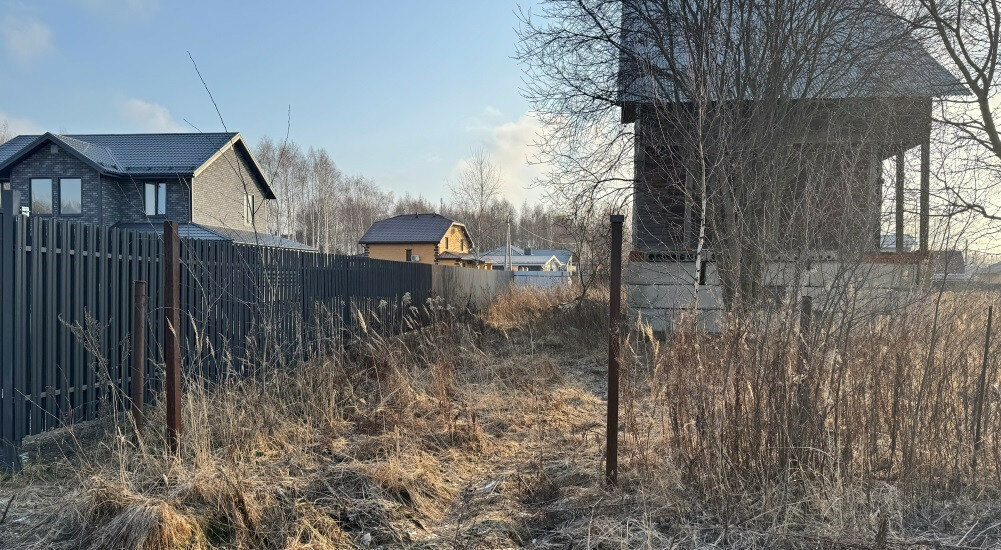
point(159, 199)
point(31, 197)
point(408, 254)
point(249, 208)
point(62, 212)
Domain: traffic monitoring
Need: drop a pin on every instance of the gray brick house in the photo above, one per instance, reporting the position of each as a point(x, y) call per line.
point(207, 182)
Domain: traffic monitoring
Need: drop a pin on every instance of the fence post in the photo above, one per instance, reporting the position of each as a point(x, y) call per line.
point(138, 352)
point(9, 202)
point(614, 305)
point(171, 332)
point(978, 405)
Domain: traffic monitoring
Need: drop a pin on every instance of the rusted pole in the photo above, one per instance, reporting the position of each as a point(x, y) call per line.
point(171, 332)
point(138, 352)
point(614, 305)
point(978, 405)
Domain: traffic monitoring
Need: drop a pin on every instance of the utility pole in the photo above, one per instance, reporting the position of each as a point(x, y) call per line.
point(507, 250)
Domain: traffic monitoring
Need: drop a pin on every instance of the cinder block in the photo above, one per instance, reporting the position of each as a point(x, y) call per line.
point(669, 273)
point(674, 296)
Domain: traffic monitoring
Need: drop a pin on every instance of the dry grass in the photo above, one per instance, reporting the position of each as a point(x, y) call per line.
point(488, 433)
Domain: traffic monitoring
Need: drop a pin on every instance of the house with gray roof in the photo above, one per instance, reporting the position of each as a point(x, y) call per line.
point(424, 238)
point(534, 259)
point(207, 182)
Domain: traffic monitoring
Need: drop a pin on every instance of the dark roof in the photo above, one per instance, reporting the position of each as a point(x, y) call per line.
point(184, 230)
point(212, 233)
point(865, 51)
point(138, 155)
point(408, 228)
point(246, 236)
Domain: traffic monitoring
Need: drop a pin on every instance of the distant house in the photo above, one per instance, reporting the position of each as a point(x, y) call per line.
point(888, 243)
point(948, 262)
point(207, 182)
point(424, 238)
point(533, 259)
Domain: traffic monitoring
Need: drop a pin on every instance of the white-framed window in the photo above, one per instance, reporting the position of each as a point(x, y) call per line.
point(41, 196)
point(70, 196)
point(156, 199)
point(249, 208)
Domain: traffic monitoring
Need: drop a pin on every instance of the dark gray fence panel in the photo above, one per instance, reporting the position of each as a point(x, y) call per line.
point(66, 312)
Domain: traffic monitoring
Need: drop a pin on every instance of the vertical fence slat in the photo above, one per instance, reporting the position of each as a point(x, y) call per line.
point(237, 301)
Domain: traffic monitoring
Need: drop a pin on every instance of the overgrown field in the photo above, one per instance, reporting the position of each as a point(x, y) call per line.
point(488, 432)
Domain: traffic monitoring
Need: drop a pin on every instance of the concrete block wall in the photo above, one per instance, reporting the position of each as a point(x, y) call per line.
point(661, 293)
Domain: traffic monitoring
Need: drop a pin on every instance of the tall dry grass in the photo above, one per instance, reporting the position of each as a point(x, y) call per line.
point(357, 442)
point(890, 397)
point(487, 431)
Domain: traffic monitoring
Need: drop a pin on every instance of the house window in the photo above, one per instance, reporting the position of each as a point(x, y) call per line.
point(410, 254)
point(446, 243)
point(156, 199)
point(70, 196)
point(248, 209)
point(41, 196)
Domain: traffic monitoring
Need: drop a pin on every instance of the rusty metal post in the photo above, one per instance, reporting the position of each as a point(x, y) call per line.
point(614, 306)
point(978, 404)
point(171, 332)
point(138, 352)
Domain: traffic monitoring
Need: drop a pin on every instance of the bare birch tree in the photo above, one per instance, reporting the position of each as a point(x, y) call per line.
point(476, 188)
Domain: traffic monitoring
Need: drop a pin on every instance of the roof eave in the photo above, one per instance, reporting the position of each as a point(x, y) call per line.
point(363, 241)
point(50, 137)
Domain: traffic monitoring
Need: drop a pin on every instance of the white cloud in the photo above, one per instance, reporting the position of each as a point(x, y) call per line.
point(510, 145)
point(492, 112)
point(25, 38)
point(20, 125)
point(147, 116)
point(122, 8)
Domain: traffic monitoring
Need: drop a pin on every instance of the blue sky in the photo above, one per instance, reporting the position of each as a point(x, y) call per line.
point(400, 91)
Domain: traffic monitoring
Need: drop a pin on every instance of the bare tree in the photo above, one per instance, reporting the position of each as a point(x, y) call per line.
point(966, 36)
point(759, 127)
point(5, 133)
point(476, 188)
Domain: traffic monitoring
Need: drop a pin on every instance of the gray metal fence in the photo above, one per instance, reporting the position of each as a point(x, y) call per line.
point(66, 311)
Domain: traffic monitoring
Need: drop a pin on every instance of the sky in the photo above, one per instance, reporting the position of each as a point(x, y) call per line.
point(400, 91)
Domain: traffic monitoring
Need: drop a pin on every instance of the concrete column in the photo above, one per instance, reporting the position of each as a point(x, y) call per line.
point(924, 210)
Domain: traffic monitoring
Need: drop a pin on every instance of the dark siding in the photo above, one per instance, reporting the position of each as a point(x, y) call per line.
point(217, 192)
point(659, 197)
point(45, 164)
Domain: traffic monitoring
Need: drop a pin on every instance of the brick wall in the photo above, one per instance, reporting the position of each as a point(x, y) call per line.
point(44, 163)
point(218, 193)
point(129, 194)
